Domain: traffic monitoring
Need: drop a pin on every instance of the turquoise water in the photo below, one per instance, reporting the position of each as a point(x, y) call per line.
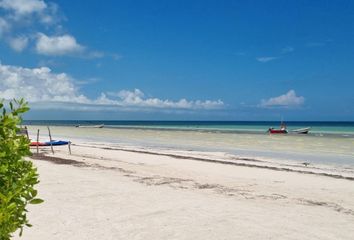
point(317, 128)
point(327, 143)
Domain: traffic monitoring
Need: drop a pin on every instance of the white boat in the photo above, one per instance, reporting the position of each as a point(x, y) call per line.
point(90, 126)
point(302, 130)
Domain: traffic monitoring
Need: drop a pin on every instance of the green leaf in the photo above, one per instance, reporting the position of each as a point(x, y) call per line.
point(18, 176)
point(36, 201)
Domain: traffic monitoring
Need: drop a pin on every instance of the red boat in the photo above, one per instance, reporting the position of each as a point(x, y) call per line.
point(282, 129)
point(50, 143)
point(32, 144)
point(277, 131)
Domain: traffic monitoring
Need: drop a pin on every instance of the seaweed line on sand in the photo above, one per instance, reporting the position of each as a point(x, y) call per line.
point(337, 176)
point(180, 183)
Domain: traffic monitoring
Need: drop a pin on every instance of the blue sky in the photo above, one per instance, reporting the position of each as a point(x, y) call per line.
point(179, 60)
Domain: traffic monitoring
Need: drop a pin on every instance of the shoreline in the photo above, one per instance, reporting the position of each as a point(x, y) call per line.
point(229, 159)
point(212, 129)
point(327, 151)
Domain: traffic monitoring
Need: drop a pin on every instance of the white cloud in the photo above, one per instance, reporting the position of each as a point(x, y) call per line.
point(286, 100)
point(23, 7)
point(266, 59)
point(4, 26)
point(100, 54)
point(18, 43)
point(48, 89)
point(37, 85)
point(50, 15)
point(136, 98)
point(95, 54)
point(30, 18)
point(287, 50)
point(57, 45)
point(23, 17)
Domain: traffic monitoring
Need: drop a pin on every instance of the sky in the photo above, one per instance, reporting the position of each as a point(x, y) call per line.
point(178, 59)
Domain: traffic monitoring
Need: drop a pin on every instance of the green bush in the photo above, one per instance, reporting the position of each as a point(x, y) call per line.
point(17, 175)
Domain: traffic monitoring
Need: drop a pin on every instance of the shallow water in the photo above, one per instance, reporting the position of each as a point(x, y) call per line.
point(317, 128)
point(326, 149)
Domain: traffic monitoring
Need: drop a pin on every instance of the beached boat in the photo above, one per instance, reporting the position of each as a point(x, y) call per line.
point(50, 143)
point(301, 130)
point(277, 131)
point(281, 130)
point(32, 144)
point(90, 126)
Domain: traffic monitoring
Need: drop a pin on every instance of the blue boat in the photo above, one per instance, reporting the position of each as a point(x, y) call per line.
point(56, 143)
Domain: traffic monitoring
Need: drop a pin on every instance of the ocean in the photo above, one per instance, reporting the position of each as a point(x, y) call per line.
point(334, 128)
point(327, 142)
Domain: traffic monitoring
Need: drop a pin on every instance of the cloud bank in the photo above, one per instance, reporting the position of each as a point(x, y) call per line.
point(20, 8)
point(47, 89)
point(289, 99)
point(22, 23)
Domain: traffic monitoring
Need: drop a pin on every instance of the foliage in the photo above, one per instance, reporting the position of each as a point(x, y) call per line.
point(17, 175)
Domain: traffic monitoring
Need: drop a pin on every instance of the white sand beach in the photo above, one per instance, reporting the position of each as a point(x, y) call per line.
point(176, 120)
point(110, 191)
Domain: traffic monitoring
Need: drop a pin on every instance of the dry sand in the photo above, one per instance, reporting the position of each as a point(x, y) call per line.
point(114, 192)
